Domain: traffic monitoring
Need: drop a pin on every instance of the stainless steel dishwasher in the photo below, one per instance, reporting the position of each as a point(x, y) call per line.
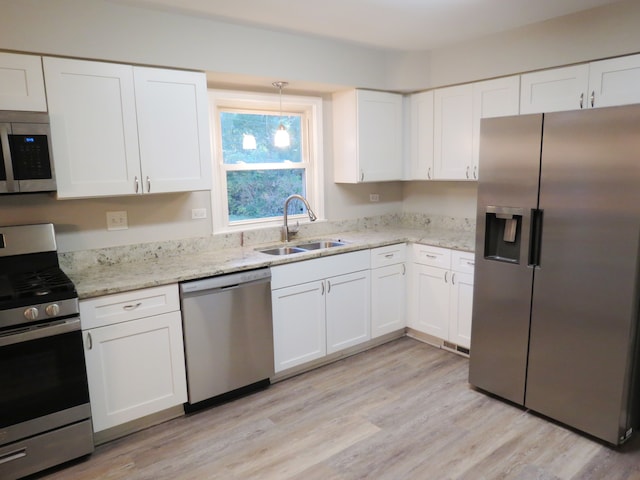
point(228, 335)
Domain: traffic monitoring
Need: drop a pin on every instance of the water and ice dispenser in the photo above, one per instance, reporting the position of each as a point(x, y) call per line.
point(503, 234)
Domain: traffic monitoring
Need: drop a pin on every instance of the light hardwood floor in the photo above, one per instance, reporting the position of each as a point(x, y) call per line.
point(400, 411)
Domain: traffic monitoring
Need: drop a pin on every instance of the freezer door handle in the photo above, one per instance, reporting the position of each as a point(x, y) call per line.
point(535, 242)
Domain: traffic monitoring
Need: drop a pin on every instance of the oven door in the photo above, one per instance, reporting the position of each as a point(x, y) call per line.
point(43, 379)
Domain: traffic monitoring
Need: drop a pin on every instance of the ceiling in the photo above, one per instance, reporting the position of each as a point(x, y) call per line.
point(405, 25)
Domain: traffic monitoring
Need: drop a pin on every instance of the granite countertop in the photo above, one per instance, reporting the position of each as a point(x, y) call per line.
point(98, 279)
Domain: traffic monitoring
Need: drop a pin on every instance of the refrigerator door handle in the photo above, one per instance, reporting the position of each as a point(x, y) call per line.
point(535, 242)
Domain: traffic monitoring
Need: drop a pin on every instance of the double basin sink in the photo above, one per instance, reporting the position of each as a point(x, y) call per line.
point(302, 247)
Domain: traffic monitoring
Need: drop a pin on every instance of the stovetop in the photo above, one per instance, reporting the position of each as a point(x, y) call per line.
point(39, 286)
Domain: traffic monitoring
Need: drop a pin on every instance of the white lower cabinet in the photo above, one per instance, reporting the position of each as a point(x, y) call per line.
point(441, 296)
point(134, 354)
point(388, 289)
point(320, 306)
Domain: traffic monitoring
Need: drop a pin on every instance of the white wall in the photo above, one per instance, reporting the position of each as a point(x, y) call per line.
point(101, 29)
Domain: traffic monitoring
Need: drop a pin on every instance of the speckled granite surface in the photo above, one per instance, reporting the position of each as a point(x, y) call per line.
point(113, 270)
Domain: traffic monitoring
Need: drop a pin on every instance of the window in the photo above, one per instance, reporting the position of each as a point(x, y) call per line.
point(253, 177)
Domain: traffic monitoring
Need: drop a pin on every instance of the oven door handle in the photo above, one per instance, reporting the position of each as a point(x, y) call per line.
point(48, 330)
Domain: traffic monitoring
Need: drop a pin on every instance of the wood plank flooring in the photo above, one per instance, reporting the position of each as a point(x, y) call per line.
point(403, 410)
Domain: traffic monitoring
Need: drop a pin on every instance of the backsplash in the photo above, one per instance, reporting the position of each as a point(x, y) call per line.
point(249, 238)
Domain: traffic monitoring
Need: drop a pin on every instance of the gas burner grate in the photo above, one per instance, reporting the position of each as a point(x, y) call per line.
point(40, 283)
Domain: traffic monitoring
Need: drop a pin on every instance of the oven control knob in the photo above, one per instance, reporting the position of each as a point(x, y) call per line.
point(31, 313)
point(52, 310)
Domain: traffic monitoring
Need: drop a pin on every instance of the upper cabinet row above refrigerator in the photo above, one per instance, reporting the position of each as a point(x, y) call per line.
point(605, 83)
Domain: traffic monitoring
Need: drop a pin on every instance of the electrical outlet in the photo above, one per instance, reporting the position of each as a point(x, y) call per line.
point(117, 220)
point(374, 197)
point(198, 213)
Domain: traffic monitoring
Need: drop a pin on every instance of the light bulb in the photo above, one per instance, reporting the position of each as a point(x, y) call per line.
point(281, 138)
point(248, 142)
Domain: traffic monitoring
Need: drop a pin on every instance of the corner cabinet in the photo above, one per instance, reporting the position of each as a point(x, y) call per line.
point(124, 130)
point(320, 306)
point(367, 136)
point(21, 83)
point(441, 298)
point(134, 354)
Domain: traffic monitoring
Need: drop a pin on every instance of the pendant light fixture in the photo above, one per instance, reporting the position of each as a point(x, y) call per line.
point(248, 142)
point(281, 138)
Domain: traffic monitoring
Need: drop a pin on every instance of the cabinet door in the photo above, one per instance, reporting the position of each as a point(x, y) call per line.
point(453, 133)
point(93, 127)
point(21, 83)
point(379, 135)
point(431, 300)
point(420, 165)
point(135, 368)
point(348, 310)
point(388, 299)
point(493, 98)
point(554, 90)
point(173, 130)
point(299, 334)
point(461, 306)
point(614, 82)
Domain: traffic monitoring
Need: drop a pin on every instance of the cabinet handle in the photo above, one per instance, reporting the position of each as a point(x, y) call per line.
point(130, 307)
point(328, 287)
point(389, 255)
point(471, 264)
point(321, 288)
point(453, 278)
point(362, 175)
point(14, 455)
point(404, 269)
point(446, 277)
point(467, 172)
point(137, 183)
point(148, 185)
point(89, 341)
point(428, 255)
point(581, 99)
point(429, 173)
point(593, 97)
point(475, 172)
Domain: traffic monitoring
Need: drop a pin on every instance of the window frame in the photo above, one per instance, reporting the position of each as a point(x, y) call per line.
point(310, 109)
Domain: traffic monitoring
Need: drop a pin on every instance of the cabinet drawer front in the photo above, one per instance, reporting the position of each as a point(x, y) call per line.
point(432, 256)
point(305, 271)
point(121, 307)
point(389, 255)
point(462, 262)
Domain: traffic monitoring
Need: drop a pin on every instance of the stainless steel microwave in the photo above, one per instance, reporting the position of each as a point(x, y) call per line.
point(26, 163)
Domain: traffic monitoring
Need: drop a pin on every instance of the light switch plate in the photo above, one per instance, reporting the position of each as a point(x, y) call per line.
point(117, 220)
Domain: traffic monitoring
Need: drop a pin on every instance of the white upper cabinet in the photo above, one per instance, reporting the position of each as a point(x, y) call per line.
point(493, 98)
point(614, 82)
point(121, 130)
point(367, 136)
point(21, 83)
point(420, 144)
point(453, 133)
point(554, 90)
point(173, 130)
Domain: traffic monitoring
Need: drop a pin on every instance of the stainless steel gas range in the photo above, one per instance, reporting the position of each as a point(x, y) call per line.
point(45, 416)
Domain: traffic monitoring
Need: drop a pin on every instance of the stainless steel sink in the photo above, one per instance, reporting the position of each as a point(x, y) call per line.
point(282, 250)
point(320, 244)
point(302, 247)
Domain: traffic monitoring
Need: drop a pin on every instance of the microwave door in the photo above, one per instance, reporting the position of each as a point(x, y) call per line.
point(30, 145)
point(7, 184)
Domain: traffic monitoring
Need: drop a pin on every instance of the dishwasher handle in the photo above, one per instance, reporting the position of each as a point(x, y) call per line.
point(226, 282)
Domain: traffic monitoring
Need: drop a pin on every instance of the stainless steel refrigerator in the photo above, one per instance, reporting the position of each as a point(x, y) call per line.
point(555, 313)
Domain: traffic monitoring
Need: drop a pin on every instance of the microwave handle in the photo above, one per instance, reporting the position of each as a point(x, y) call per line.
point(6, 154)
